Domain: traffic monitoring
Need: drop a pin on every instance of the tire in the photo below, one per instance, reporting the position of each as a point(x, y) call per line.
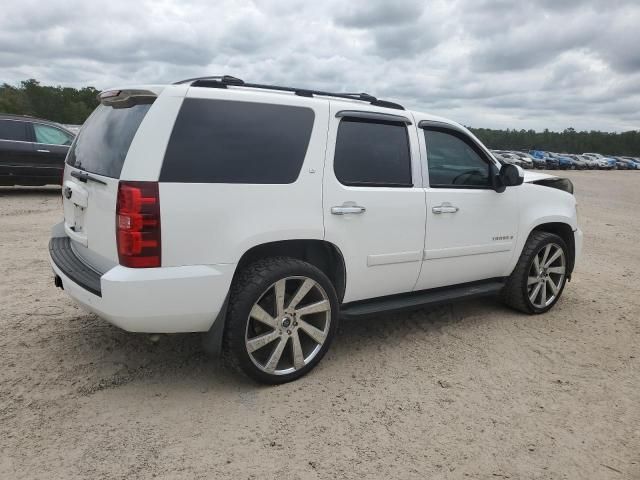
point(520, 289)
point(262, 338)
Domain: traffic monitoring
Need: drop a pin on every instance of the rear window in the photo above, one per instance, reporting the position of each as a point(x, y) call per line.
point(105, 138)
point(221, 141)
point(14, 130)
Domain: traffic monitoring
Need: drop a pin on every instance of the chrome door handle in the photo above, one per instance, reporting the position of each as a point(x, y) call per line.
point(445, 207)
point(348, 210)
point(44, 151)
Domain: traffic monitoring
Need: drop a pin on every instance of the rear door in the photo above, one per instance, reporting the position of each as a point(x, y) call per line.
point(90, 183)
point(16, 150)
point(374, 203)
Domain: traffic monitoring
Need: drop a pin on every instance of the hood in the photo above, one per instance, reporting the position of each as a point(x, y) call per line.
point(531, 177)
point(551, 181)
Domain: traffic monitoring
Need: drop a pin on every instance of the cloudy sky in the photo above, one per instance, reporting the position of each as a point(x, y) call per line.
point(485, 63)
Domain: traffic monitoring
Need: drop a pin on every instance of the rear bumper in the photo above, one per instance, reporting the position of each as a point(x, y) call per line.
point(151, 300)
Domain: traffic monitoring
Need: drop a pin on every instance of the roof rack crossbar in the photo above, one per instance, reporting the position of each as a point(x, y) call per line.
point(222, 81)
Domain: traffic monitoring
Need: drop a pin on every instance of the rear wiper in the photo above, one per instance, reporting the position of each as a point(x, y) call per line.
point(83, 177)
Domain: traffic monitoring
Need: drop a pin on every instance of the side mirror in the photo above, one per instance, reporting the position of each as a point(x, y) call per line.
point(509, 176)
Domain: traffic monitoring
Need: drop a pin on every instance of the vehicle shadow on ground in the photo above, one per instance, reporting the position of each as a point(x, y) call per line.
point(109, 358)
point(52, 190)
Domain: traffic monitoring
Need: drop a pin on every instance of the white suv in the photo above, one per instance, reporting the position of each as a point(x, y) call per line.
point(263, 214)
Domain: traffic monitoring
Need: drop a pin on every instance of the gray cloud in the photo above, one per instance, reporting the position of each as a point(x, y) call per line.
point(492, 63)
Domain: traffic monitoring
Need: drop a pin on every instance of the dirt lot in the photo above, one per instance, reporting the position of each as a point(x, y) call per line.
point(472, 390)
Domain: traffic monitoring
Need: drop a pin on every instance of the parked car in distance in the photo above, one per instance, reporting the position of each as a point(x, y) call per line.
point(634, 163)
point(525, 158)
point(604, 163)
point(564, 162)
point(261, 215)
point(579, 163)
point(32, 150)
point(551, 163)
point(506, 157)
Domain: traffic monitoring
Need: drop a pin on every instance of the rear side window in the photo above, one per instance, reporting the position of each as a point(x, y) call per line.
point(51, 135)
point(105, 138)
point(220, 141)
point(372, 153)
point(13, 130)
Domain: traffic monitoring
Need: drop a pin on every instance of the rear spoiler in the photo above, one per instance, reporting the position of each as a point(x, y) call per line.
point(126, 98)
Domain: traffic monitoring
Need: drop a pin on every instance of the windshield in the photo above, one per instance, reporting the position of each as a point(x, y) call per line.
point(104, 140)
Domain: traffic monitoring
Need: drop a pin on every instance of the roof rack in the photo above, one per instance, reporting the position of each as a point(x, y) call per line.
point(222, 81)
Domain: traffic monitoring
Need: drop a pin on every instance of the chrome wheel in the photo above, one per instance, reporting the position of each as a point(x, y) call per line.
point(546, 275)
point(288, 325)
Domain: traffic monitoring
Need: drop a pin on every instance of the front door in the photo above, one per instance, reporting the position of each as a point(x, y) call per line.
point(374, 204)
point(471, 229)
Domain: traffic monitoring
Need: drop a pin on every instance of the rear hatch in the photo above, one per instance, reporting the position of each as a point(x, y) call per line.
point(92, 173)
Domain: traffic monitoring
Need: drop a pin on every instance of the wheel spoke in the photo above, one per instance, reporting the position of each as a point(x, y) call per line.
point(315, 333)
point(543, 294)
point(259, 313)
point(262, 340)
point(279, 289)
point(546, 254)
point(298, 356)
point(534, 293)
point(553, 257)
point(536, 264)
point(532, 280)
point(274, 359)
point(300, 294)
point(558, 270)
point(321, 306)
point(554, 287)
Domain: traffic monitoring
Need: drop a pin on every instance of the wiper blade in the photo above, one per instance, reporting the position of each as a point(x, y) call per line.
point(83, 177)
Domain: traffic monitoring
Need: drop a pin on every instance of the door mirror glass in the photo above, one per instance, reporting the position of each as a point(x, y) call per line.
point(511, 175)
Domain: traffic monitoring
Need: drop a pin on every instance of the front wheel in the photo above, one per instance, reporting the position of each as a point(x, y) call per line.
point(282, 317)
point(539, 278)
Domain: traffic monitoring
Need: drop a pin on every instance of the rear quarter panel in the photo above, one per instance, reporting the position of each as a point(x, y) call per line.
point(216, 223)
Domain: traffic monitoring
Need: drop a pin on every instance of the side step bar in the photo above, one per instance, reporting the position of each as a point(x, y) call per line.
point(407, 301)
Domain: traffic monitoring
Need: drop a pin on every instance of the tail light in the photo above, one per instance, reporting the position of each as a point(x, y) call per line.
point(138, 224)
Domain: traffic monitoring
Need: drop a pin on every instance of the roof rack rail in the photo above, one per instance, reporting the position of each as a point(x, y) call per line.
point(222, 81)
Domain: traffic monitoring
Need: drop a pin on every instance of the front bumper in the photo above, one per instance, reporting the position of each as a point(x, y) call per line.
point(150, 300)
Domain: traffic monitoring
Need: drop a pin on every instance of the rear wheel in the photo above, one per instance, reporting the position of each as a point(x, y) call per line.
point(539, 278)
point(281, 320)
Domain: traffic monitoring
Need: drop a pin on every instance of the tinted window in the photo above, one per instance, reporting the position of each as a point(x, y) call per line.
point(372, 153)
point(454, 162)
point(105, 138)
point(13, 130)
point(51, 135)
point(218, 141)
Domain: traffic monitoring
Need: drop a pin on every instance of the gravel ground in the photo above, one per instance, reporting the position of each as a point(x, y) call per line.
point(471, 390)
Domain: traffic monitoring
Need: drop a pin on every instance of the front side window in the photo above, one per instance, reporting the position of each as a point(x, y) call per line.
point(51, 135)
point(13, 130)
point(372, 153)
point(454, 162)
point(222, 141)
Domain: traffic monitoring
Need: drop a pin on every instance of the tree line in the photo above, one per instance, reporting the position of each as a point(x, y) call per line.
point(60, 104)
point(73, 106)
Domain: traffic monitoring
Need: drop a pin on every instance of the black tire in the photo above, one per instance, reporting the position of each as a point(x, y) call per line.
point(250, 286)
point(515, 293)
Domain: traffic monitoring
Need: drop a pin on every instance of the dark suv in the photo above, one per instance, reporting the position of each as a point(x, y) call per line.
point(32, 151)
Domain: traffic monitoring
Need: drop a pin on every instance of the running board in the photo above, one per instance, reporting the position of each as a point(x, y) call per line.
point(407, 301)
